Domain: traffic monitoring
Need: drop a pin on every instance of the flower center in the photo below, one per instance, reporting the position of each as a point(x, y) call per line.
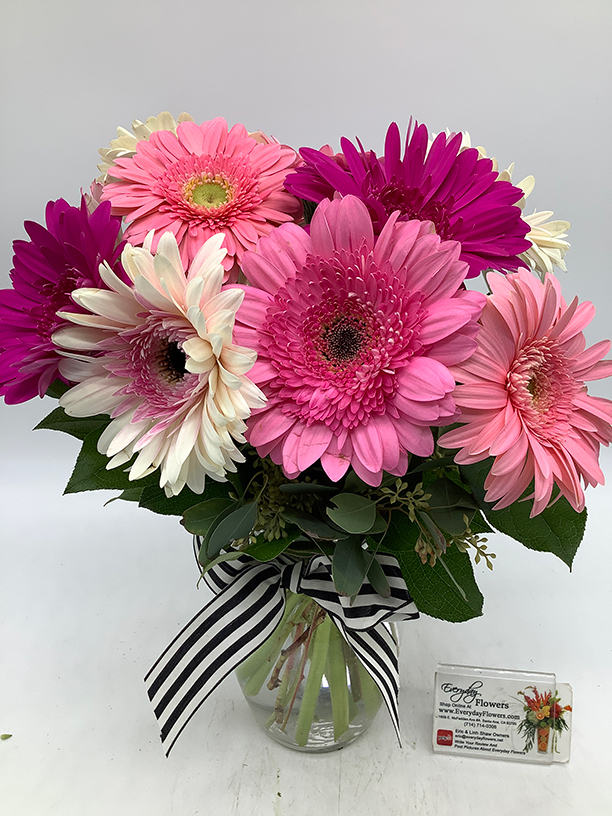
point(542, 387)
point(413, 207)
point(342, 341)
point(208, 192)
point(57, 296)
point(171, 360)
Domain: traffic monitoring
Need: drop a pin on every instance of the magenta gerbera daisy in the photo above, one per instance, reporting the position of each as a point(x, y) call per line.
point(201, 181)
point(523, 397)
point(354, 336)
point(46, 269)
point(454, 188)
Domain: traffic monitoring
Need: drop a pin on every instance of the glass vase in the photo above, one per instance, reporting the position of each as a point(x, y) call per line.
point(305, 685)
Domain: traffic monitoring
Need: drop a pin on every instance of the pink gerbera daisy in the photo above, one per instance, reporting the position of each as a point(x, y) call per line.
point(58, 258)
point(455, 189)
point(523, 397)
point(202, 181)
point(354, 336)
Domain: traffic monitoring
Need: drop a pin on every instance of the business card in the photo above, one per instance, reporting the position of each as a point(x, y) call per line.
point(501, 714)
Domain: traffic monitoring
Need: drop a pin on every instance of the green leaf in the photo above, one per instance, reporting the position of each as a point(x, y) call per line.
point(353, 484)
point(478, 525)
point(313, 526)
point(90, 471)
point(558, 529)
point(309, 208)
point(448, 589)
point(80, 427)
point(378, 579)
point(432, 464)
point(299, 488)
point(155, 499)
point(354, 513)
point(266, 550)
point(230, 556)
point(436, 533)
point(132, 494)
point(57, 389)
point(199, 518)
point(238, 524)
point(349, 566)
point(5, 736)
point(379, 526)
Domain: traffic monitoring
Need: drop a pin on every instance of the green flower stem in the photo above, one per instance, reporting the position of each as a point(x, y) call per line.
point(318, 657)
point(371, 695)
point(257, 666)
point(335, 671)
point(353, 667)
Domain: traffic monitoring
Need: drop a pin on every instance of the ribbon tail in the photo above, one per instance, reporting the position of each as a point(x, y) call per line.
point(377, 649)
point(223, 634)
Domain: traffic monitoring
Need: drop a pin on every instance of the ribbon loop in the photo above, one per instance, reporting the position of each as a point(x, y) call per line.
point(249, 604)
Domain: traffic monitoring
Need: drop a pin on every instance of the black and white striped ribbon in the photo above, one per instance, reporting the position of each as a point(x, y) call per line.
point(249, 604)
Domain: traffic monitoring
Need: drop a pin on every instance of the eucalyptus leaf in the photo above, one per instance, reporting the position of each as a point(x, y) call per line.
point(266, 550)
point(313, 526)
point(378, 579)
point(446, 494)
point(353, 484)
point(433, 529)
point(353, 513)
point(230, 556)
point(559, 529)
point(199, 518)
point(349, 566)
point(432, 464)
point(452, 520)
point(238, 524)
point(299, 488)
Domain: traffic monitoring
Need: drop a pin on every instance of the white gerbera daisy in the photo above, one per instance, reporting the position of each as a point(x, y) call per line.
point(124, 145)
point(548, 246)
point(168, 373)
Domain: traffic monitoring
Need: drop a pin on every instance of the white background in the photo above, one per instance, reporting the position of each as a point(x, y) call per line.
point(91, 595)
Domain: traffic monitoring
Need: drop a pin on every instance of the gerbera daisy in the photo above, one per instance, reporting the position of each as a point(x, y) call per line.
point(523, 397)
point(354, 337)
point(453, 187)
point(167, 370)
point(57, 259)
point(202, 181)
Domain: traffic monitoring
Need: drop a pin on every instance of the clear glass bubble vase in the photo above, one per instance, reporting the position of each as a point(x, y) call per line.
point(305, 685)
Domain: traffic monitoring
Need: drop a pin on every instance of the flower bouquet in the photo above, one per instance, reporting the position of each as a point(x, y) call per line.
point(284, 350)
point(543, 713)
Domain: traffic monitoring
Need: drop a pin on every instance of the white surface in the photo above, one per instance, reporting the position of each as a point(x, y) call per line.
point(91, 595)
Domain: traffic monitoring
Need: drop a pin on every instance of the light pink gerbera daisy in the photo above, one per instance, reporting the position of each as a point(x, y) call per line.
point(201, 181)
point(523, 395)
point(354, 336)
point(165, 365)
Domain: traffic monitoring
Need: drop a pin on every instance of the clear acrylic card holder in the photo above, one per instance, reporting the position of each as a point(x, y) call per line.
point(501, 714)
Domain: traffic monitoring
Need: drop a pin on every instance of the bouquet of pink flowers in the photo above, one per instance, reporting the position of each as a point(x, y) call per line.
point(283, 349)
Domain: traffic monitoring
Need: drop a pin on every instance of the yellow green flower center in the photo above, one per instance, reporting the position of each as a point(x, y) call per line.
point(207, 192)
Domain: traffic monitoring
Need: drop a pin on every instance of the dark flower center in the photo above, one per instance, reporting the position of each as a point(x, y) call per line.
point(343, 341)
point(56, 296)
point(171, 361)
point(410, 202)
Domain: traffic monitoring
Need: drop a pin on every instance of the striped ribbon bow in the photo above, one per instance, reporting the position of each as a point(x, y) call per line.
point(249, 604)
